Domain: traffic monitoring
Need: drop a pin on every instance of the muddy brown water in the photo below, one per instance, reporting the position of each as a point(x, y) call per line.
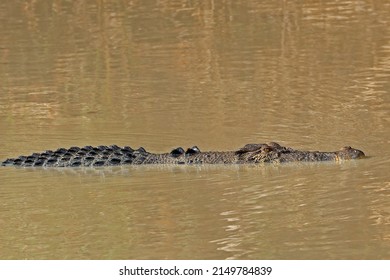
point(216, 74)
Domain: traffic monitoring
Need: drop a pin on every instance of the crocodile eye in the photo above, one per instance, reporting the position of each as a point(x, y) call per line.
point(267, 149)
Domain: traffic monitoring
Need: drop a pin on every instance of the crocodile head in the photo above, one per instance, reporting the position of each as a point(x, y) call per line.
point(258, 153)
point(350, 153)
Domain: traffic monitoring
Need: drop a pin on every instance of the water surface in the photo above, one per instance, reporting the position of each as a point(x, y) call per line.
point(219, 75)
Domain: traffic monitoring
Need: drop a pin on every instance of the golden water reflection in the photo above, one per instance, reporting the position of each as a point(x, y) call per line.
point(216, 74)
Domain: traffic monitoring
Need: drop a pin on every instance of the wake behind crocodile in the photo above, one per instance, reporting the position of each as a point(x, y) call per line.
point(114, 155)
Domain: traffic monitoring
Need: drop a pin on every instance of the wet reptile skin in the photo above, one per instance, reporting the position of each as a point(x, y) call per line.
point(114, 155)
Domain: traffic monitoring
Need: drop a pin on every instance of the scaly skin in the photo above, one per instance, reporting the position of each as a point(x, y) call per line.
point(114, 155)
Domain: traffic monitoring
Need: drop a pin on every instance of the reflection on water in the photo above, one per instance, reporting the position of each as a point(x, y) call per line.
point(214, 74)
point(293, 211)
point(243, 65)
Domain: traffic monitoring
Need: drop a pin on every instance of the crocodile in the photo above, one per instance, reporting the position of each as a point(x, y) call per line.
point(115, 155)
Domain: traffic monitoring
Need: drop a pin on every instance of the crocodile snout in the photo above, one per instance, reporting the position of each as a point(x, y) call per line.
point(351, 153)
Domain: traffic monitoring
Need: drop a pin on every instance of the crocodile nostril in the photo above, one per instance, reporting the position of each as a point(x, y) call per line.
point(359, 154)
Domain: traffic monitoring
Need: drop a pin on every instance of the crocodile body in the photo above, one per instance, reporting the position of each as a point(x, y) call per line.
point(114, 155)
